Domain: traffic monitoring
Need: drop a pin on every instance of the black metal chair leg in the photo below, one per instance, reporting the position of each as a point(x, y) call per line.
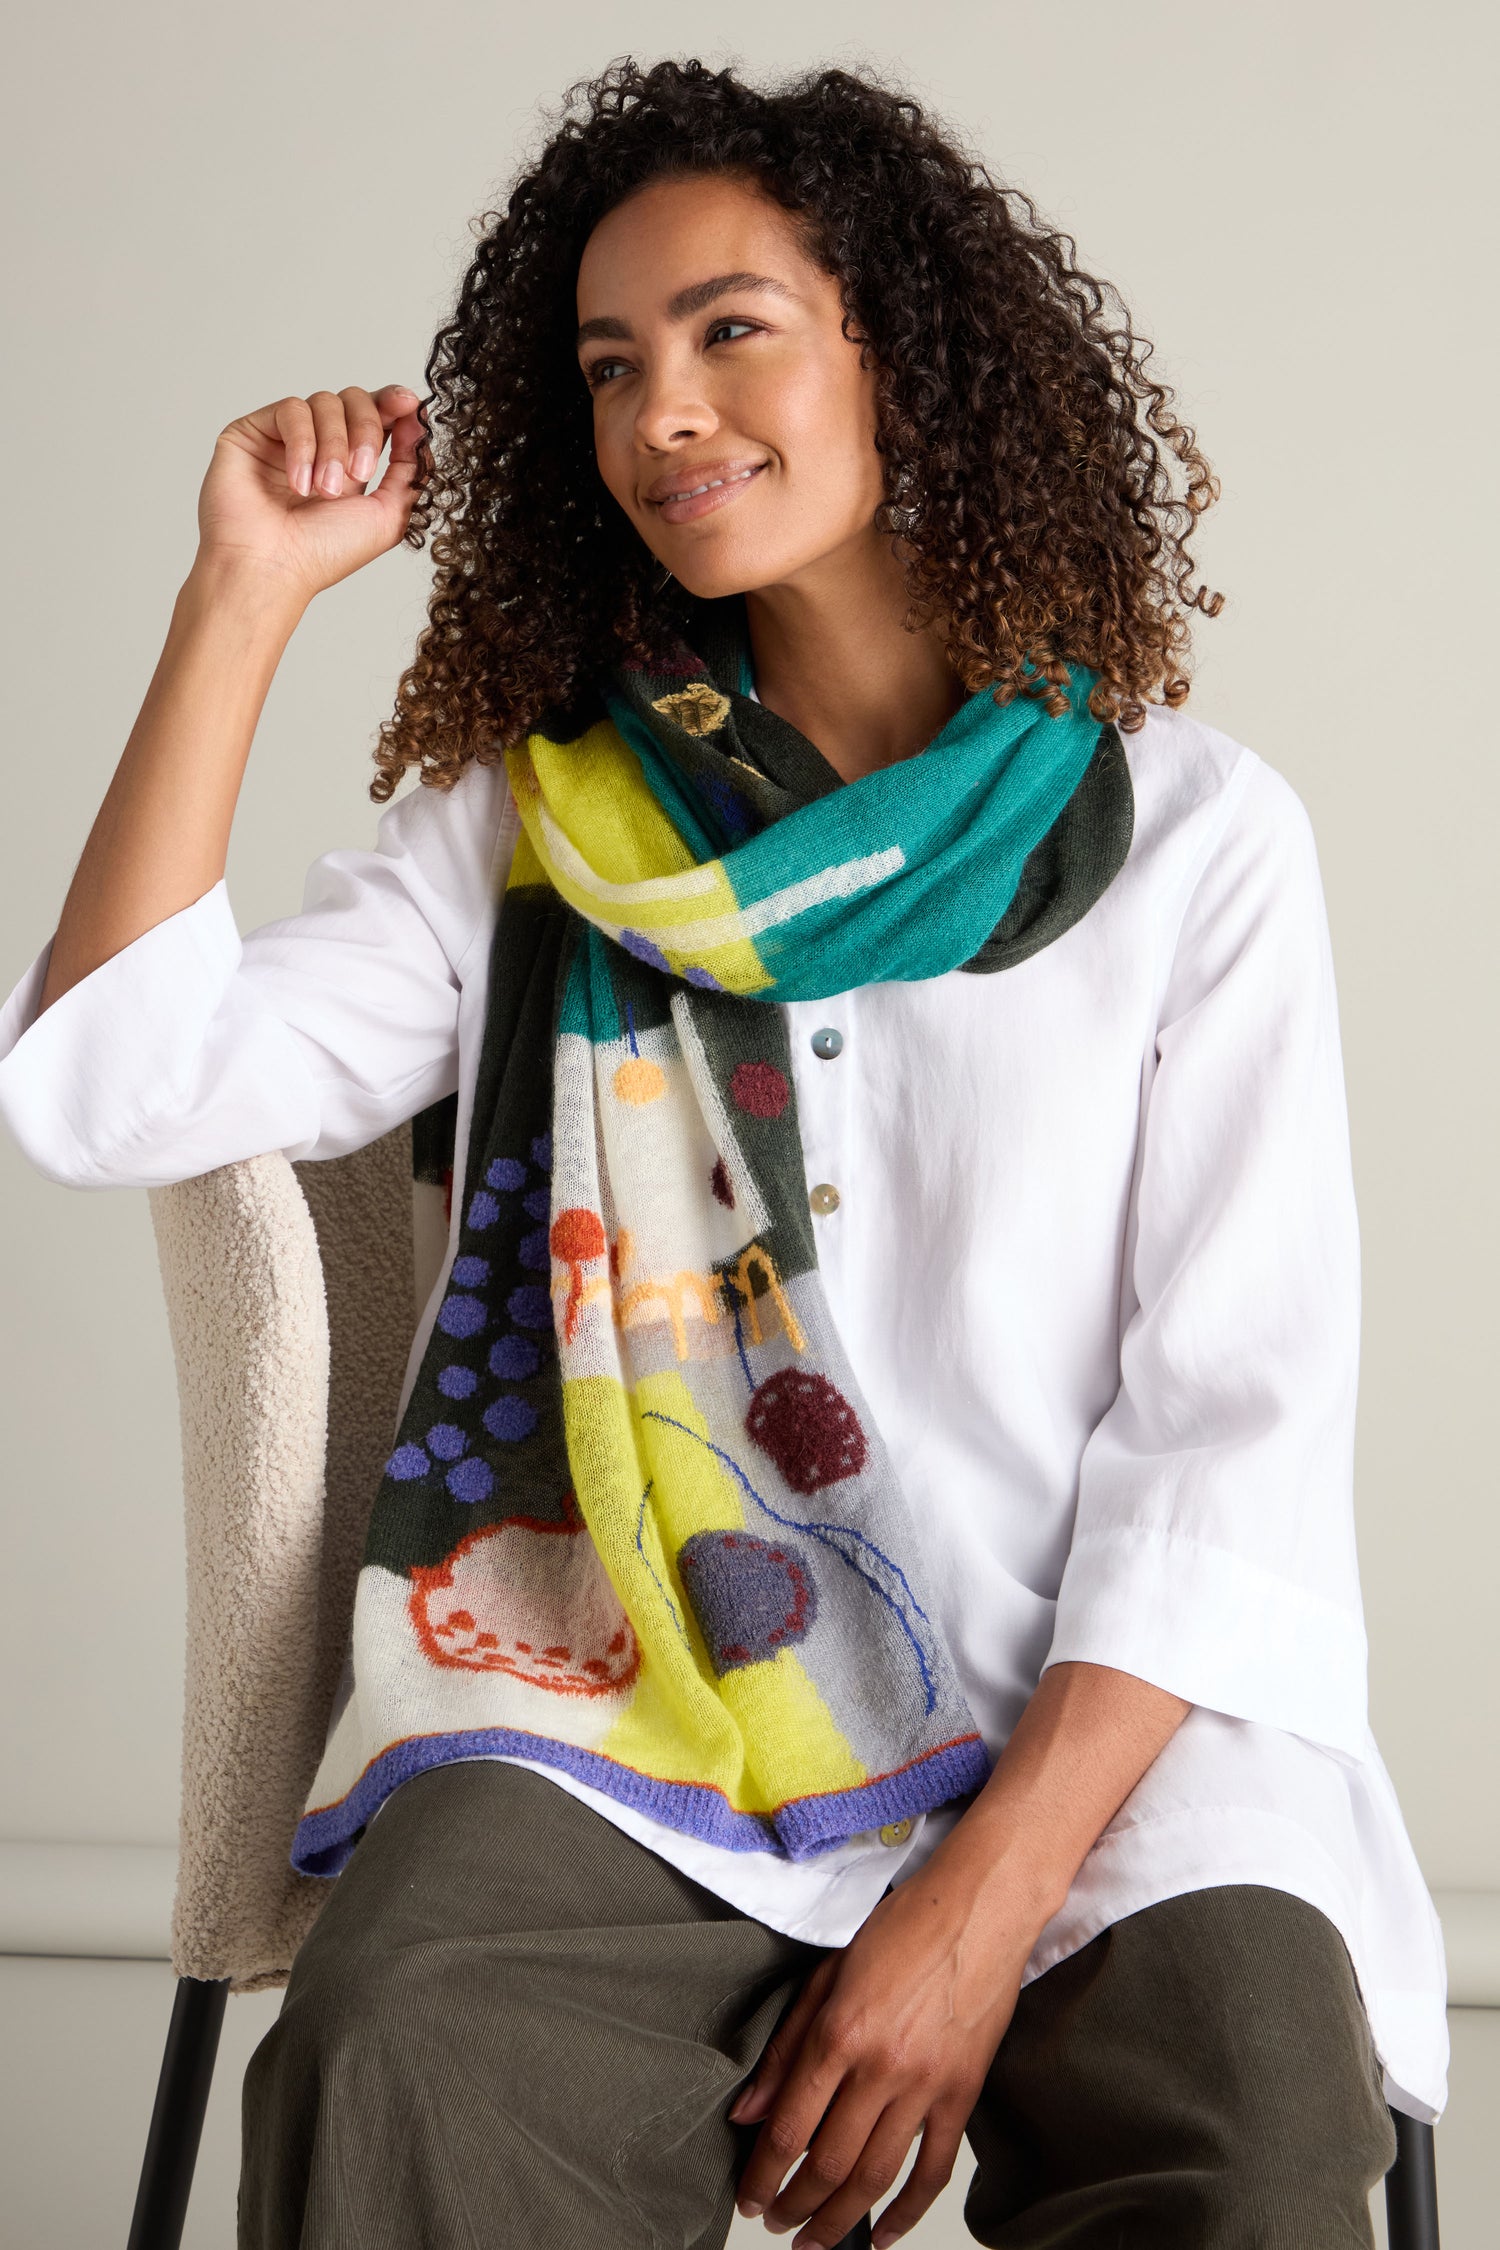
point(187, 2069)
point(1411, 2211)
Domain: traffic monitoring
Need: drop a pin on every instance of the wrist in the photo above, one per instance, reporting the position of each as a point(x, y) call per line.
point(253, 594)
point(983, 1875)
point(995, 1872)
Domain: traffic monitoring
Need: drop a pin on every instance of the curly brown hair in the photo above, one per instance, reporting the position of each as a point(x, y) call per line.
point(1039, 483)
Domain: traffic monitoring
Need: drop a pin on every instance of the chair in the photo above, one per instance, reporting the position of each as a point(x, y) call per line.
point(292, 1294)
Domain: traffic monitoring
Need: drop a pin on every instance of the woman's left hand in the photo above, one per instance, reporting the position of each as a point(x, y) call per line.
point(895, 2032)
point(892, 2034)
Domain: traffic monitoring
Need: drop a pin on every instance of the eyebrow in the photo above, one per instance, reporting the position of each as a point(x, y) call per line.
point(687, 301)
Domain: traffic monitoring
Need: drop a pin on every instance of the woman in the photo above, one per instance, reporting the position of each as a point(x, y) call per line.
point(861, 1611)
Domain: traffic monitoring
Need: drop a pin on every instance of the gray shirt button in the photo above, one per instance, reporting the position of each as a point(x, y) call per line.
point(827, 1043)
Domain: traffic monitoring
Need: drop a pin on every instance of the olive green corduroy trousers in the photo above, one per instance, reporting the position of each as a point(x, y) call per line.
point(515, 2026)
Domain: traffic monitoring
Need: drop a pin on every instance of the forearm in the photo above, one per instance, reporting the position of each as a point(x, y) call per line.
point(1084, 1740)
point(161, 836)
point(905, 2021)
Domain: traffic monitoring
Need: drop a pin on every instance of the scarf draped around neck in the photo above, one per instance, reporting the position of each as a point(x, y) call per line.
point(639, 1524)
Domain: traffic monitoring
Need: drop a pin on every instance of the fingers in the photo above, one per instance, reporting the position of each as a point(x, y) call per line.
point(851, 2108)
point(333, 439)
point(815, 2076)
point(933, 2169)
point(782, 2047)
point(853, 2159)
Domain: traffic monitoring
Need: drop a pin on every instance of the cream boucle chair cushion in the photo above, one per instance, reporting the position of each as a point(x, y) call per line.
point(292, 1294)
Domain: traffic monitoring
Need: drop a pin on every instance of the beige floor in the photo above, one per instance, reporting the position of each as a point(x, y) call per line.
point(80, 2042)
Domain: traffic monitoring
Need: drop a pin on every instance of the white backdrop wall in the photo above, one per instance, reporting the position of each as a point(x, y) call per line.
point(211, 209)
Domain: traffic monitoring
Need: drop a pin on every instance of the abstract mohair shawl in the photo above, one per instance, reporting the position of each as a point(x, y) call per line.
point(639, 1524)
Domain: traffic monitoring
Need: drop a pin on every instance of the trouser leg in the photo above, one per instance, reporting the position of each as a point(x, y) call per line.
point(1200, 2077)
point(511, 2025)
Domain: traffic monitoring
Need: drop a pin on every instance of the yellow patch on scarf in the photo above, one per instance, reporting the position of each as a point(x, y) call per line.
point(761, 1734)
point(699, 709)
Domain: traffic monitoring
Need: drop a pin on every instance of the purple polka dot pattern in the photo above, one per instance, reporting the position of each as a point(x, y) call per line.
point(471, 1480)
point(703, 978)
point(510, 1419)
point(514, 1358)
point(751, 1599)
point(467, 1310)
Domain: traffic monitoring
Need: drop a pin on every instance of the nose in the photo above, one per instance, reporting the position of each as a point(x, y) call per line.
point(672, 406)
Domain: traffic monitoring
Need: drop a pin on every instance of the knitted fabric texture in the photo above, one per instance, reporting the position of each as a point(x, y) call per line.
point(289, 1300)
point(639, 1524)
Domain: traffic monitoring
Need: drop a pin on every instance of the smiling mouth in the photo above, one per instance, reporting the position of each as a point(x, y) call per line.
point(701, 499)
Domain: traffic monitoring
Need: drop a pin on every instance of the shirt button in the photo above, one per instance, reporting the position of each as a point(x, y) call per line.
point(827, 1043)
point(895, 1831)
point(824, 1198)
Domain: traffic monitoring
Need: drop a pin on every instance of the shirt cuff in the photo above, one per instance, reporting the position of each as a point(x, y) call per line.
point(1218, 1630)
point(72, 1083)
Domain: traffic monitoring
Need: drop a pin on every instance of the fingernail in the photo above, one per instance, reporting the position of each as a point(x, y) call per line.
point(332, 479)
point(362, 467)
point(302, 478)
point(751, 2210)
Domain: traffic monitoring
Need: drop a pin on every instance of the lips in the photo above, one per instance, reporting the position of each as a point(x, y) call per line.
point(698, 492)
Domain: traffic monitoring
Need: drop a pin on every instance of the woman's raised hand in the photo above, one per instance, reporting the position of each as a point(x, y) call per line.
point(285, 491)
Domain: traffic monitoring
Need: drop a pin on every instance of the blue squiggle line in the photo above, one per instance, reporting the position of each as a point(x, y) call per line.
point(640, 1546)
point(794, 1523)
point(739, 1336)
point(826, 1533)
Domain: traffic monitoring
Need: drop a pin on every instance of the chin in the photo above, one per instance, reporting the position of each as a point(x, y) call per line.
point(706, 583)
point(713, 577)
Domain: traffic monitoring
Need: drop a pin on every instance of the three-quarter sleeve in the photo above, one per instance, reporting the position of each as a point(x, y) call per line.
point(193, 1047)
point(1213, 1550)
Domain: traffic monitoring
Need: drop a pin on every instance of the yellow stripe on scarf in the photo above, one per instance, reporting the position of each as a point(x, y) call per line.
point(683, 1724)
point(598, 835)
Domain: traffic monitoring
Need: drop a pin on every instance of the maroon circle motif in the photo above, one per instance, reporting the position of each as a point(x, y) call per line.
point(808, 1428)
point(759, 1089)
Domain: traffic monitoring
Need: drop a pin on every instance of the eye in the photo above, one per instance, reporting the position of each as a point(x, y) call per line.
point(594, 373)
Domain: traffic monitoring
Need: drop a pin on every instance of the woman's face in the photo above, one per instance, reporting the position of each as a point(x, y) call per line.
point(712, 349)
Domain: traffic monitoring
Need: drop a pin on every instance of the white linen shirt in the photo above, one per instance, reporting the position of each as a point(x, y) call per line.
point(1095, 1261)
